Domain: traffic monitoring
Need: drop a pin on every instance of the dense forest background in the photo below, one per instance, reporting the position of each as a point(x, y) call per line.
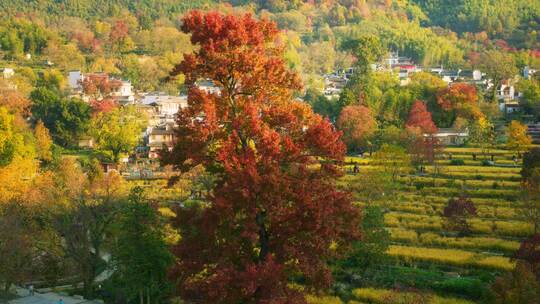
point(139, 40)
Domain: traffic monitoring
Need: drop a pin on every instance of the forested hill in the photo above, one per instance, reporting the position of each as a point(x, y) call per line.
point(140, 40)
point(515, 20)
point(152, 9)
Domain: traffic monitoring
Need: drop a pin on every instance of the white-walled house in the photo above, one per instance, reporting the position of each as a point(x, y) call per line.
point(122, 91)
point(506, 92)
point(451, 136)
point(159, 138)
point(7, 72)
point(75, 78)
point(165, 106)
point(528, 72)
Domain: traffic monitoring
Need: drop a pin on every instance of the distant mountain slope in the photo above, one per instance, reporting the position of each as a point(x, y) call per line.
point(101, 8)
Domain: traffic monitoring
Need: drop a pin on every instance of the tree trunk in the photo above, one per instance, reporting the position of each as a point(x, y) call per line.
point(141, 299)
point(263, 235)
point(147, 295)
point(494, 94)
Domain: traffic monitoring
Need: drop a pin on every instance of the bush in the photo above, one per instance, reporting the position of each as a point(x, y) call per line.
point(487, 163)
point(438, 281)
point(457, 162)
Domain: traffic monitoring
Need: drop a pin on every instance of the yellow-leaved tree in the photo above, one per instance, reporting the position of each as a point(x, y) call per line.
point(518, 139)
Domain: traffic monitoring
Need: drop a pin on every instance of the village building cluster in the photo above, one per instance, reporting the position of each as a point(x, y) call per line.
point(405, 67)
point(159, 107)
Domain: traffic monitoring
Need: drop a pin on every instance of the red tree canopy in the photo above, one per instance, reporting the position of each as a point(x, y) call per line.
point(103, 105)
point(100, 88)
point(357, 124)
point(462, 206)
point(420, 117)
point(529, 251)
point(274, 210)
point(99, 85)
point(461, 98)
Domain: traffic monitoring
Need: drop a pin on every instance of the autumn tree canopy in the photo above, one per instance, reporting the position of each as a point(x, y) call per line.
point(274, 211)
point(420, 117)
point(460, 100)
point(518, 139)
point(457, 212)
point(358, 125)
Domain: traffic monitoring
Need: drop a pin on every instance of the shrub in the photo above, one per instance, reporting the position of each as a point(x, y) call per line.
point(457, 213)
point(457, 162)
point(487, 163)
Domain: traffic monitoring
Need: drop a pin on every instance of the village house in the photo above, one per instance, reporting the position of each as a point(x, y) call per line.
point(528, 72)
point(159, 138)
point(451, 136)
point(7, 72)
point(208, 86)
point(334, 84)
point(507, 92)
point(121, 90)
point(86, 142)
point(165, 107)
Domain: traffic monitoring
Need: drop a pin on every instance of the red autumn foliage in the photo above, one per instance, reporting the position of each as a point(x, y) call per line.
point(529, 251)
point(357, 124)
point(99, 84)
point(420, 117)
point(100, 87)
point(103, 105)
point(423, 149)
point(119, 31)
point(461, 98)
point(474, 58)
point(272, 212)
point(14, 101)
point(86, 40)
point(457, 212)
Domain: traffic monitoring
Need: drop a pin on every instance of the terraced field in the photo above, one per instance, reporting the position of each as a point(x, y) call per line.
point(428, 263)
point(426, 257)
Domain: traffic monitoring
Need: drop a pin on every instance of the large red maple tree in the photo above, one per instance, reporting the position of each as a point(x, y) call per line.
point(420, 117)
point(274, 213)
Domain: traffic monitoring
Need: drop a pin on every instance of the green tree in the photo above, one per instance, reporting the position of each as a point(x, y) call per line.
point(393, 160)
point(141, 257)
point(10, 139)
point(368, 253)
point(322, 105)
point(118, 131)
point(367, 49)
point(85, 221)
point(67, 120)
point(530, 101)
point(482, 133)
point(498, 66)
